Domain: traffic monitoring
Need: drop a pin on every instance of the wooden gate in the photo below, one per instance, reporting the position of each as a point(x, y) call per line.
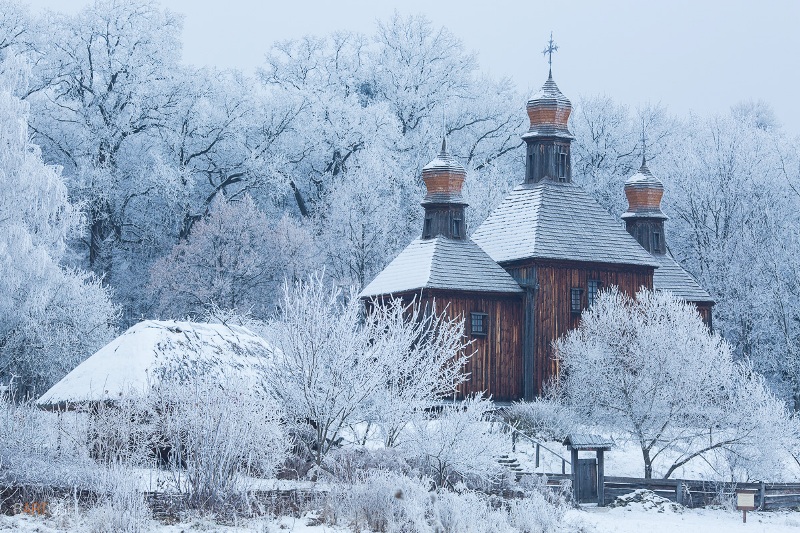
point(587, 480)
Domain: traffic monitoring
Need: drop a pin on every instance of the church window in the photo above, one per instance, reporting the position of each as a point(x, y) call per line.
point(428, 224)
point(594, 289)
point(479, 323)
point(575, 300)
point(530, 166)
point(656, 242)
point(562, 166)
point(456, 227)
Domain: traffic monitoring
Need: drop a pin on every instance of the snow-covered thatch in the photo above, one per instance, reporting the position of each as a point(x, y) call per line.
point(134, 361)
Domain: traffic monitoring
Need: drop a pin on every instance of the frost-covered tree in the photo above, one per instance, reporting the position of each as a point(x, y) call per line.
point(648, 367)
point(107, 82)
point(234, 259)
point(51, 317)
point(335, 364)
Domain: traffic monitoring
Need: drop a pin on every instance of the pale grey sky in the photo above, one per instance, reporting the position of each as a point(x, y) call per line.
point(696, 55)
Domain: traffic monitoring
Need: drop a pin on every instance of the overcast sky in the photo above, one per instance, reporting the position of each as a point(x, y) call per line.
point(688, 55)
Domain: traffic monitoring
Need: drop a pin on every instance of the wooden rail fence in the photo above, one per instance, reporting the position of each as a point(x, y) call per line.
point(696, 493)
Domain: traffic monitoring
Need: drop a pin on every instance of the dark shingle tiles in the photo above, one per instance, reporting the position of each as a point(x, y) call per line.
point(441, 263)
point(670, 276)
point(558, 221)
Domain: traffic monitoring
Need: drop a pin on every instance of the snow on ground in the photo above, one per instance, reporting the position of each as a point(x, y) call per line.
point(638, 520)
point(633, 518)
point(63, 524)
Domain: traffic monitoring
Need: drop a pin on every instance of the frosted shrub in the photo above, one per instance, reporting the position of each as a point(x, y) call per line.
point(336, 366)
point(348, 465)
point(535, 514)
point(543, 418)
point(468, 512)
point(31, 452)
point(123, 509)
point(218, 433)
point(387, 502)
point(382, 501)
point(458, 445)
point(122, 432)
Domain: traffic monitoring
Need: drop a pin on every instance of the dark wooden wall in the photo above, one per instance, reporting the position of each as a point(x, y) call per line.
point(704, 308)
point(496, 362)
point(552, 314)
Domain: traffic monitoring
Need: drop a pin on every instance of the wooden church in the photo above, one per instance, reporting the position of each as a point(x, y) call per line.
point(538, 260)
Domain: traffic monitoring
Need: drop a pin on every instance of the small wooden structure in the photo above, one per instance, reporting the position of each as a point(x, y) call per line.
point(588, 475)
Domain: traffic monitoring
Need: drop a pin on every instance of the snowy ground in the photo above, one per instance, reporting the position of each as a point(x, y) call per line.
point(629, 519)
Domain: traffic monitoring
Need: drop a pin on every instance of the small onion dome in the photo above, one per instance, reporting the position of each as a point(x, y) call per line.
point(444, 178)
point(549, 112)
point(644, 192)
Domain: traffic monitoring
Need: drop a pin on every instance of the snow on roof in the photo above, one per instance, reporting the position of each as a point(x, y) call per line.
point(672, 277)
point(441, 263)
point(131, 362)
point(559, 221)
point(585, 441)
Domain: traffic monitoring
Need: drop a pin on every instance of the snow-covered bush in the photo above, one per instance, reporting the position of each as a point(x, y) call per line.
point(347, 465)
point(336, 366)
point(34, 450)
point(543, 418)
point(389, 502)
point(458, 444)
point(218, 432)
point(122, 432)
point(123, 508)
point(381, 501)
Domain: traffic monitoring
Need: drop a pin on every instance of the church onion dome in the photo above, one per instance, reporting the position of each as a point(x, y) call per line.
point(444, 179)
point(644, 192)
point(549, 111)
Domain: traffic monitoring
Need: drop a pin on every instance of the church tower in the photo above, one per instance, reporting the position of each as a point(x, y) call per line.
point(548, 138)
point(444, 206)
point(644, 220)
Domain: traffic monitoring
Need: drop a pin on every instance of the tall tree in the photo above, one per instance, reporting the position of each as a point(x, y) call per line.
point(51, 317)
point(649, 368)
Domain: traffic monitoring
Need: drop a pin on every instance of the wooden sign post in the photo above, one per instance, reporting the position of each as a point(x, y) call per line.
point(745, 501)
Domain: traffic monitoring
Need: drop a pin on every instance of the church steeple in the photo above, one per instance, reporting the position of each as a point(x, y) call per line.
point(548, 138)
point(644, 219)
point(443, 203)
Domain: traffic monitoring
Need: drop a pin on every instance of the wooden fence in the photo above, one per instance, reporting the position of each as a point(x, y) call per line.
point(695, 493)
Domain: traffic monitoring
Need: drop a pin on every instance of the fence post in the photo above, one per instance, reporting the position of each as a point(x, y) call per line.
point(762, 493)
point(679, 492)
point(514, 441)
point(537, 455)
point(563, 466)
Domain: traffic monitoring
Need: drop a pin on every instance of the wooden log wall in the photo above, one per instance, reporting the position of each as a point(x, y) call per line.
point(496, 362)
point(552, 313)
point(704, 308)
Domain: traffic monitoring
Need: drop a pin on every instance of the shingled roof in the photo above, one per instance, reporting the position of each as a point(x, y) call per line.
point(670, 276)
point(441, 263)
point(560, 221)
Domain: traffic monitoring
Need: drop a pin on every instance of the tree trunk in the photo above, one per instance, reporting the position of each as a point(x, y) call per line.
point(648, 464)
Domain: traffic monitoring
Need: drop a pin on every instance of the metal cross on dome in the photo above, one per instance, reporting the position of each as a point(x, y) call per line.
point(551, 47)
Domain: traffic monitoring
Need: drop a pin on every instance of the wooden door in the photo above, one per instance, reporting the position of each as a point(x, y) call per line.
point(587, 480)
